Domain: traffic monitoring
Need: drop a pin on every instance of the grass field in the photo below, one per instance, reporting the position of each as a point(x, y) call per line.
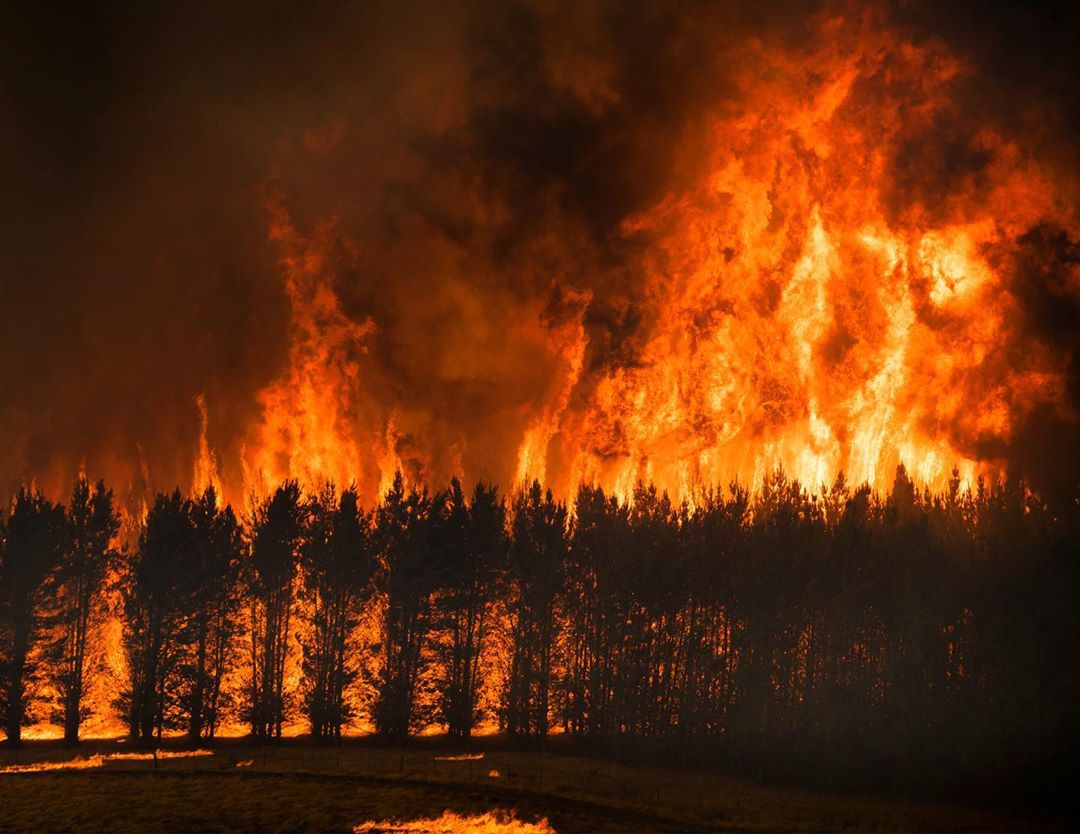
point(294, 787)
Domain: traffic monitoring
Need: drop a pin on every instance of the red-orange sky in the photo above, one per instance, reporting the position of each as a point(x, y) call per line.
point(675, 241)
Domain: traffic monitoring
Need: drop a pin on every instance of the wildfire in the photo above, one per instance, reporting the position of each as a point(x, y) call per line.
point(813, 298)
point(309, 429)
point(449, 823)
point(816, 293)
point(102, 759)
point(804, 310)
point(205, 473)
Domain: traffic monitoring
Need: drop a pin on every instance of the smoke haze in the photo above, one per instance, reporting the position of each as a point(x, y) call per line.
point(444, 237)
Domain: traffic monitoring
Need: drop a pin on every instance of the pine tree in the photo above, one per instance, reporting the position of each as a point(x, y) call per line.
point(93, 523)
point(276, 534)
point(338, 561)
point(35, 541)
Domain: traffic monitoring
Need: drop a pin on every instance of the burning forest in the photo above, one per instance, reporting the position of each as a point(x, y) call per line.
point(692, 383)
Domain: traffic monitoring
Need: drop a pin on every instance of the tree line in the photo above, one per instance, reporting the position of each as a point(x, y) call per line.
point(875, 637)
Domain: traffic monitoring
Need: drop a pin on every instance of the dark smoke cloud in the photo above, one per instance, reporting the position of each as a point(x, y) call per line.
point(479, 155)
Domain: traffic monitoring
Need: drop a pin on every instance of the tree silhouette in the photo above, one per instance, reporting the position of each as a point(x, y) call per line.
point(537, 555)
point(407, 524)
point(338, 561)
point(209, 599)
point(879, 640)
point(276, 532)
point(93, 522)
point(596, 613)
point(472, 547)
point(34, 543)
point(153, 611)
point(712, 537)
point(655, 579)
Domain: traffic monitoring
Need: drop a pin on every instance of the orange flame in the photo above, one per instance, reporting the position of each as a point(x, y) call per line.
point(451, 823)
point(807, 301)
point(798, 317)
point(102, 759)
point(309, 428)
point(205, 472)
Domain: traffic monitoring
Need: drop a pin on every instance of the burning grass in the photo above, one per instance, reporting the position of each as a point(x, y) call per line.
point(451, 823)
point(100, 760)
point(358, 787)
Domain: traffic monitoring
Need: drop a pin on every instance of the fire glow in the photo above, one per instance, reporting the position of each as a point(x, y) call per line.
point(796, 308)
point(814, 288)
point(101, 759)
point(449, 823)
point(818, 288)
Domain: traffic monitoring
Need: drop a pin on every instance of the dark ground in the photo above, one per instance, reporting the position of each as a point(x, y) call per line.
point(297, 787)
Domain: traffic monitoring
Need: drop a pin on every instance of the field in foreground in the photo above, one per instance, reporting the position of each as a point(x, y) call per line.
point(298, 788)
